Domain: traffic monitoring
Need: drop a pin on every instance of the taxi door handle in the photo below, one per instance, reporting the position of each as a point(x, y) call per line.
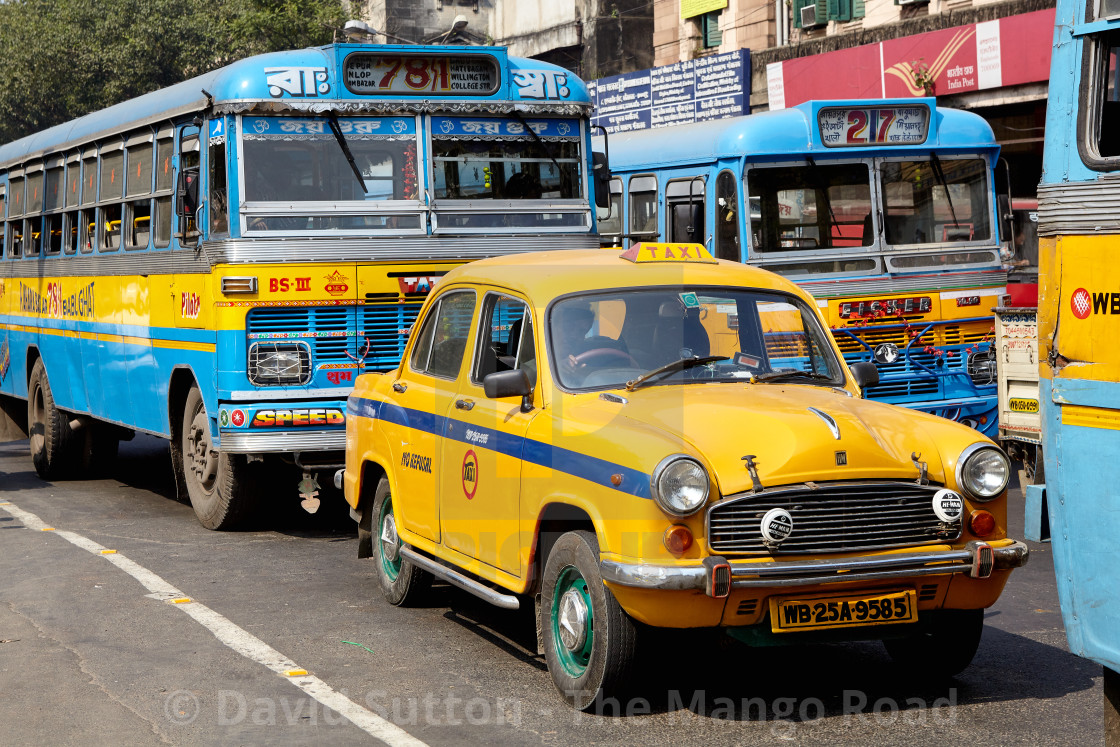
point(464, 404)
point(399, 388)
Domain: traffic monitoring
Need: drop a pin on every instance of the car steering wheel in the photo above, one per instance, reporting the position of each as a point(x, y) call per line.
point(606, 354)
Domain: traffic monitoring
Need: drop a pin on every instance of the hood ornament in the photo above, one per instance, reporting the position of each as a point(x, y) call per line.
point(828, 420)
point(915, 456)
point(753, 469)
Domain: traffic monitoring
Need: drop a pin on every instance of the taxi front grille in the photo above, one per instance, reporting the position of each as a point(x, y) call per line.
point(833, 517)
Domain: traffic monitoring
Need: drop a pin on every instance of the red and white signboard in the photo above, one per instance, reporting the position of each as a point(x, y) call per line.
point(955, 60)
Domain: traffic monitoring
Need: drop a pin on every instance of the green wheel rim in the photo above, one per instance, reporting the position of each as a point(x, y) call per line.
point(572, 585)
point(392, 567)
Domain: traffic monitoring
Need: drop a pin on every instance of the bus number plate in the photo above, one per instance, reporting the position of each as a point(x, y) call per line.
point(815, 613)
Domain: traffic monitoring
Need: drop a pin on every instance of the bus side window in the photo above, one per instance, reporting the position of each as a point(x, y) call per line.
point(1107, 95)
point(3, 233)
point(643, 208)
point(727, 217)
point(610, 219)
point(216, 181)
point(186, 197)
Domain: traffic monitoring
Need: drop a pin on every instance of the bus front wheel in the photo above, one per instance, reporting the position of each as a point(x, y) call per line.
point(217, 483)
point(52, 439)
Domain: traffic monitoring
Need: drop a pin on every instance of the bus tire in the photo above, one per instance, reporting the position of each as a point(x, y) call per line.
point(217, 483)
point(589, 641)
point(52, 439)
point(402, 583)
point(944, 650)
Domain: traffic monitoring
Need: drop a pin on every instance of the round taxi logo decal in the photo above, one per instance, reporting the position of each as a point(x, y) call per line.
point(776, 526)
point(1081, 303)
point(470, 473)
point(223, 418)
point(947, 505)
point(237, 417)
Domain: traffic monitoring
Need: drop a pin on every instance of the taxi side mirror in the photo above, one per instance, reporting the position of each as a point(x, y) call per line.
point(507, 384)
point(865, 373)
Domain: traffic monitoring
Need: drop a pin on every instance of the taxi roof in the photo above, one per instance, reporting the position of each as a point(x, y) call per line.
point(542, 276)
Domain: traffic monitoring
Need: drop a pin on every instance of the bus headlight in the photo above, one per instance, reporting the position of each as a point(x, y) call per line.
point(679, 485)
point(279, 363)
point(983, 471)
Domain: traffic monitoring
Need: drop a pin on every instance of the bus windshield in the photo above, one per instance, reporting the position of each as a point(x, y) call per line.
point(810, 207)
point(289, 161)
point(936, 201)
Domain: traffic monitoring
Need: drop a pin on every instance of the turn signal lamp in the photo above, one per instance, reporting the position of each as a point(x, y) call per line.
point(678, 538)
point(981, 523)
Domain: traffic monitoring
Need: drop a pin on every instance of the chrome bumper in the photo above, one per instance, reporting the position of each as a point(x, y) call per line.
point(978, 560)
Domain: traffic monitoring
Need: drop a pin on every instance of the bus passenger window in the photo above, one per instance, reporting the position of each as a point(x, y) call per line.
point(643, 208)
point(139, 224)
point(70, 232)
point(110, 228)
point(15, 238)
point(163, 221)
point(610, 219)
point(33, 236)
point(218, 206)
point(727, 217)
point(3, 233)
point(686, 203)
point(52, 234)
point(1106, 132)
point(87, 230)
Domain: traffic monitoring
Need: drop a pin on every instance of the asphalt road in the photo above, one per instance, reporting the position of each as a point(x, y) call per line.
point(90, 654)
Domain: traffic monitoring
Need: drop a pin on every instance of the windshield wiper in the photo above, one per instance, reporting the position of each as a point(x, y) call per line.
point(332, 120)
point(778, 375)
point(935, 162)
point(678, 365)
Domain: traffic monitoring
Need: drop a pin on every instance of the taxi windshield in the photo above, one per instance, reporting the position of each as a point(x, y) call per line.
point(604, 340)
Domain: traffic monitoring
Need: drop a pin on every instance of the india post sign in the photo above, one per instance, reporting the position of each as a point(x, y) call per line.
point(712, 87)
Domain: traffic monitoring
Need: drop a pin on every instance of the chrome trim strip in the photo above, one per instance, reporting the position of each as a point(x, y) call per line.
point(813, 572)
point(264, 395)
point(234, 442)
point(1079, 207)
point(921, 281)
point(828, 420)
point(453, 577)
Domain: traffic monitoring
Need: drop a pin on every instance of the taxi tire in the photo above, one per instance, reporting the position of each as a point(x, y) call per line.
point(225, 500)
point(411, 583)
point(53, 442)
point(612, 656)
point(945, 650)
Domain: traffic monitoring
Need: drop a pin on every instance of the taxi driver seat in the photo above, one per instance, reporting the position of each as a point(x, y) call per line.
point(679, 329)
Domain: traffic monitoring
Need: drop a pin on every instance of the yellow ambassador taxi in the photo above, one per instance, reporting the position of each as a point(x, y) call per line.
point(663, 438)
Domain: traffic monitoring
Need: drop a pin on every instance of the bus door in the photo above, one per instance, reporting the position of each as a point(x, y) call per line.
point(685, 211)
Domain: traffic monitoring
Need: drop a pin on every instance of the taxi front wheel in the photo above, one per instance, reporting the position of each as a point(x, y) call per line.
point(944, 650)
point(402, 583)
point(589, 641)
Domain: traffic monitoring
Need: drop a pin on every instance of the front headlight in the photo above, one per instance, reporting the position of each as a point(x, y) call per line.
point(983, 471)
point(679, 485)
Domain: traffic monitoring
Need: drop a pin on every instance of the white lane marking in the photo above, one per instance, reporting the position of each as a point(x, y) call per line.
point(241, 641)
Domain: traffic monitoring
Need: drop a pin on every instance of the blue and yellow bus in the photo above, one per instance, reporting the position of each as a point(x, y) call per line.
point(884, 210)
point(214, 263)
point(1076, 501)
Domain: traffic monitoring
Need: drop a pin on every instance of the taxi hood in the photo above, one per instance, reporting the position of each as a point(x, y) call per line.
point(796, 433)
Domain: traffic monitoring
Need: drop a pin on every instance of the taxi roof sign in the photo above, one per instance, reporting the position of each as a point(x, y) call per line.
point(649, 251)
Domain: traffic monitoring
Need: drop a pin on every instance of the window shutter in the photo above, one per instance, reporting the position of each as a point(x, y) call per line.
point(797, 6)
point(857, 9)
point(822, 11)
point(840, 10)
point(713, 37)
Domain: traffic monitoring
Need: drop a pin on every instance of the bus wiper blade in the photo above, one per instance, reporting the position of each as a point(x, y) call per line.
point(777, 375)
point(332, 120)
point(935, 162)
point(677, 365)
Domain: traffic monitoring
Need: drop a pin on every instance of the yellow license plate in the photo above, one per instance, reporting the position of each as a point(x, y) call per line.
point(815, 613)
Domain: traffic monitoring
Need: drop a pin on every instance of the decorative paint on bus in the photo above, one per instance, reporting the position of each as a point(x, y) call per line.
point(883, 210)
point(215, 262)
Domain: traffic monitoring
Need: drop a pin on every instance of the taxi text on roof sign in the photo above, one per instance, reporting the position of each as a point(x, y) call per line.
point(659, 252)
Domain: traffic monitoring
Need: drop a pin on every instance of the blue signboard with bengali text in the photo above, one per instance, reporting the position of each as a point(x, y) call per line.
point(691, 91)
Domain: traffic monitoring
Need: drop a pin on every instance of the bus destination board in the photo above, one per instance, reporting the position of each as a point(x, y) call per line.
point(854, 127)
point(421, 74)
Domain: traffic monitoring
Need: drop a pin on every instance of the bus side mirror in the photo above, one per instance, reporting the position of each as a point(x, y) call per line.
point(186, 193)
point(865, 373)
point(601, 174)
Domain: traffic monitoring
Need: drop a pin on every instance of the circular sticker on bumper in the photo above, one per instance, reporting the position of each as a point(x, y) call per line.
point(948, 505)
point(776, 526)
